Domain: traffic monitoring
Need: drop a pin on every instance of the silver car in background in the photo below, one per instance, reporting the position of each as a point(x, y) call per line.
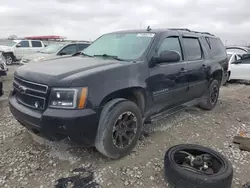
point(3, 67)
point(54, 51)
point(3, 71)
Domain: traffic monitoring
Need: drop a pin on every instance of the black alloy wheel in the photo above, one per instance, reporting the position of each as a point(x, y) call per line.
point(124, 129)
point(214, 94)
point(119, 128)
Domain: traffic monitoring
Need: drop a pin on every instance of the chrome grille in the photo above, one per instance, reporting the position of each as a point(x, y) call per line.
point(30, 94)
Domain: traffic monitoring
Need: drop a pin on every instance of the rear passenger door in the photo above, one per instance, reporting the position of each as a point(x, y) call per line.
point(168, 81)
point(36, 46)
point(197, 69)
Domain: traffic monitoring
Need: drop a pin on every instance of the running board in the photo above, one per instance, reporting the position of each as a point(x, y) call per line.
point(171, 111)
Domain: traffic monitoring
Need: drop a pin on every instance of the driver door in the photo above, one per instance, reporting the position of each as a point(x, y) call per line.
point(168, 81)
point(22, 49)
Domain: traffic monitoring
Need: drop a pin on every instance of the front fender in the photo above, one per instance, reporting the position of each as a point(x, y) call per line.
point(103, 83)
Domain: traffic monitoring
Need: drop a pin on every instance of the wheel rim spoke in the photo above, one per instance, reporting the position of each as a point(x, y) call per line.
point(120, 141)
point(125, 118)
point(124, 129)
point(126, 137)
point(129, 129)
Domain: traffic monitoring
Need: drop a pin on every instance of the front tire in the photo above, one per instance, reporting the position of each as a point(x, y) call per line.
point(120, 126)
point(210, 98)
point(9, 59)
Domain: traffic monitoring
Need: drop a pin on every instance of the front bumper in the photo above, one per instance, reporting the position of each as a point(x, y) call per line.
point(56, 124)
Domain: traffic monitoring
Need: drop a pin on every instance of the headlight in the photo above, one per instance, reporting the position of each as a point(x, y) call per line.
point(39, 58)
point(68, 98)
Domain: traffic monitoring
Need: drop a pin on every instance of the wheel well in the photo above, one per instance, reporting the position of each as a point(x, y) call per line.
point(8, 53)
point(217, 75)
point(11, 54)
point(135, 94)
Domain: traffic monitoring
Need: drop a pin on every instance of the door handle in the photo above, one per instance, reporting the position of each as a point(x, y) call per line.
point(204, 66)
point(183, 71)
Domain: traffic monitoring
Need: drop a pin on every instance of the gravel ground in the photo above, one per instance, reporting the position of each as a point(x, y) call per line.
point(31, 162)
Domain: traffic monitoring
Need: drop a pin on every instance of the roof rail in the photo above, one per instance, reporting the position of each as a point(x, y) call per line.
point(185, 29)
point(205, 33)
point(182, 29)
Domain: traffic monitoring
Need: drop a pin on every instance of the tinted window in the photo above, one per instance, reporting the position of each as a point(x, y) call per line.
point(70, 49)
point(82, 46)
point(217, 48)
point(36, 44)
point(245, 61)
point(172, 44)
point(24, 44)
point(192, 48)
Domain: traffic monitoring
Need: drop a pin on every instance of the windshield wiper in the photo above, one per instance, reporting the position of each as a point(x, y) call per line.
point(110, 56)
point(81, 53)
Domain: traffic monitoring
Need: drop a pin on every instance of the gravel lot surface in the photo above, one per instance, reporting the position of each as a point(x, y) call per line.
point(29, 161)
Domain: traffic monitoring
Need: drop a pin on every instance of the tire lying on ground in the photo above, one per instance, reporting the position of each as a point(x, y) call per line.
point(180, 176)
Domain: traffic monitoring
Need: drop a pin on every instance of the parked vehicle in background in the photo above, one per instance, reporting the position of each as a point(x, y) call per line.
point(238, 49)
point(239, 66)
point(103, 96)
point(54, 51)
point(14, 50)
point(3, 71)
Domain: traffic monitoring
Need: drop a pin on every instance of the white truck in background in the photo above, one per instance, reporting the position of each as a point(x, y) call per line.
point(14, 50)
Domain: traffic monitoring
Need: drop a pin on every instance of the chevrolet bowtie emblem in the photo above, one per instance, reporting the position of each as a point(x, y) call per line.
point(22, 89)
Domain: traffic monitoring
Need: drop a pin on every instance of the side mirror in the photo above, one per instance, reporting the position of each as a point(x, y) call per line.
point(62, 53)
point(18, 45)
point(167, 56)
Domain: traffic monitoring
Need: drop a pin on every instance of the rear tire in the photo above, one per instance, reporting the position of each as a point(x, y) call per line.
point(210, 98)
point(119, 129)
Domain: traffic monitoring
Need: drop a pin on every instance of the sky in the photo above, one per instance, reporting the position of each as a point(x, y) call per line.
point(88, 19)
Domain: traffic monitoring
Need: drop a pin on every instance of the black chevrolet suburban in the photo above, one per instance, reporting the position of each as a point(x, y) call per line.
point(103, 96)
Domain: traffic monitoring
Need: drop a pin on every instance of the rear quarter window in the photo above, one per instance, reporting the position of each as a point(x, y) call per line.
point(215, 47)
point(36, 44)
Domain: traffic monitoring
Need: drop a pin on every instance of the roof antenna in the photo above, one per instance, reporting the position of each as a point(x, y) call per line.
point(148, 28)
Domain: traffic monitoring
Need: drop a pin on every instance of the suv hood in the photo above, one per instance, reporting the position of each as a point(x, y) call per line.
point(60, 72)
point(6, 48)
point(37, 55)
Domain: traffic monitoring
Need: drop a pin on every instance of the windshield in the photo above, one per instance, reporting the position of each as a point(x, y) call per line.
point(52, 48)
point(7, 43)
point(127, 46)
